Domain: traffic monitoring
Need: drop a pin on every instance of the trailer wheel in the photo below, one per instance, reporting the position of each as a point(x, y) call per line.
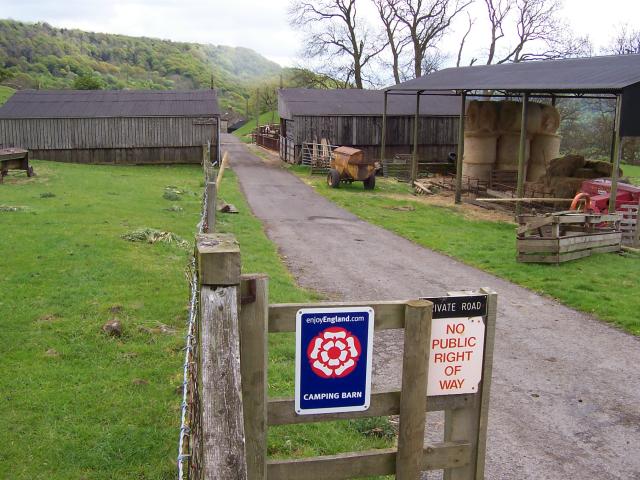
point(370, 183)
point(333, 178)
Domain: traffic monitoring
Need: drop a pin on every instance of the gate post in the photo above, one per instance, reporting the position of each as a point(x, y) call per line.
point(470, 423)
point(223, 449)
point(254, 311)
point(415, 364)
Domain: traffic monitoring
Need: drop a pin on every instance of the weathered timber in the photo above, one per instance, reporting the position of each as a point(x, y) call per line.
point(223, 166)
point(383, 404)
point(112, 140)
point(485, 384)
point(367, 463)
point(222, 411)
point(218, 259)
point(417, 334)
point(253, 364)
point(388, 315)
point(210, 207)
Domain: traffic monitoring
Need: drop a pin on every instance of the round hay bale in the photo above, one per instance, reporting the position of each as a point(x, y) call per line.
point(603, 169)
point(534, 118)
point(510, 117)
point(480, 171)
point(550, 120)
point(508, 151)
point(481, 116)
point(565, 187)
point(479, 149)
point(587, 173)
point(565, 166)
point(544, 148)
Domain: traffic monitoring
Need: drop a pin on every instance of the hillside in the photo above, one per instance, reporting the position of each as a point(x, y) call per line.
point(42, 56)
point(5, 93)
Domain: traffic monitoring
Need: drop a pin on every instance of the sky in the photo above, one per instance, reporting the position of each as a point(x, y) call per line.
point(262, 25)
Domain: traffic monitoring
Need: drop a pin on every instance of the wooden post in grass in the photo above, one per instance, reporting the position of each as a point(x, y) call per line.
point(223, 439)
point(417, 334)
point(254, 311)
point(210, 207)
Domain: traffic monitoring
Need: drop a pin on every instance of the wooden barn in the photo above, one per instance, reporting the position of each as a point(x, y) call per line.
point(354, 118)
point(115, 127)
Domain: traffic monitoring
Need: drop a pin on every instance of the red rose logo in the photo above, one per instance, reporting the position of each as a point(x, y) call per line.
point(334, 353)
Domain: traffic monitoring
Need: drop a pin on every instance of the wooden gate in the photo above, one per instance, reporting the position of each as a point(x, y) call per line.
point(237, 409)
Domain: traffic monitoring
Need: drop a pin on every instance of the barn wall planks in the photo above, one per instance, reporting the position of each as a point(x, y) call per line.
point(108, 133)
point(123, 156)
point(367, 130)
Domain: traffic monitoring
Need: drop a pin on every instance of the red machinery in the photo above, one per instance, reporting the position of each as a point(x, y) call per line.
point(599, 190)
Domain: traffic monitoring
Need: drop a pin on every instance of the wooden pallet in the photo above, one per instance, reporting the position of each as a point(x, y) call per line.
point(629, 226)
point(561, 237)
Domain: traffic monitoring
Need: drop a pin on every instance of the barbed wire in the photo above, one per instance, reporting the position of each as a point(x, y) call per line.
point(189, 445)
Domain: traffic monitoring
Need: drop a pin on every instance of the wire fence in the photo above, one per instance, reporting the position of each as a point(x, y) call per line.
point(189, 446)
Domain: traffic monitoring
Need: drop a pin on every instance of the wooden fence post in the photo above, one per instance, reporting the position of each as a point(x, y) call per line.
point(417, 334)
point(223, 440)
point(470, 423)
point(485, 384)
point(254, 311)
point(210, 208)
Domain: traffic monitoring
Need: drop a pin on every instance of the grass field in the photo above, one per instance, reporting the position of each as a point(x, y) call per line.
point(5, 93)
point(633, 172)
point(77, 403)
point(247, 128)
point(606, 285)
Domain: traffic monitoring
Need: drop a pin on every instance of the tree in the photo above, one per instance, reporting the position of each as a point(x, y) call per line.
point(88, 82)
point(625, 43)
point(334, 31)
point(395, 39)
point(529, 30)
point(497, 12)
point(303, 78)
point(426, 22)
point(462, 42)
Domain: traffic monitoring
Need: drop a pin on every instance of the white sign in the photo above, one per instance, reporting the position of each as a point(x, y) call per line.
point(455, 362)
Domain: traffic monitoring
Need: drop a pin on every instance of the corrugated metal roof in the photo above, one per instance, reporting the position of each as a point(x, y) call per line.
point(353, 102)
point(110, 103)
point(608, 74)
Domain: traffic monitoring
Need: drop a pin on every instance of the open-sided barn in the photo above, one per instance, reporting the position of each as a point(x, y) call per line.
point(354, 118)
point(123, 127)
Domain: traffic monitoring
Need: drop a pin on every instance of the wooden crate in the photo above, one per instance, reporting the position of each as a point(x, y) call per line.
point(561, 237)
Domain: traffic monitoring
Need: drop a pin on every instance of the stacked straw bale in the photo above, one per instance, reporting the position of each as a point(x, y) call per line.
point(480, 139)
point(492, 138)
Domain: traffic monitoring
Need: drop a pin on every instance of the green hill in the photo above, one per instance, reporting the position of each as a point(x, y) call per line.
point(5, 93)
point(41, 56)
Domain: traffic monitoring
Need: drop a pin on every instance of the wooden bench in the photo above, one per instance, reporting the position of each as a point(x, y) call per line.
point(14, 159)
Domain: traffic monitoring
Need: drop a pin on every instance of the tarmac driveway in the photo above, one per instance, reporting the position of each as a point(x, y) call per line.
point(565, 398)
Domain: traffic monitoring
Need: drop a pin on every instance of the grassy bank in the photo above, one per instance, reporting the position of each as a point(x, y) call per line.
point(606, 285)
point(633, 172)
point(78, 403)
point(265, 118)
point(5, 93)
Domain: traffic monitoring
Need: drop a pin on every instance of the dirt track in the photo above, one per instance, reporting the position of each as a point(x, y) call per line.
point(565, 399)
